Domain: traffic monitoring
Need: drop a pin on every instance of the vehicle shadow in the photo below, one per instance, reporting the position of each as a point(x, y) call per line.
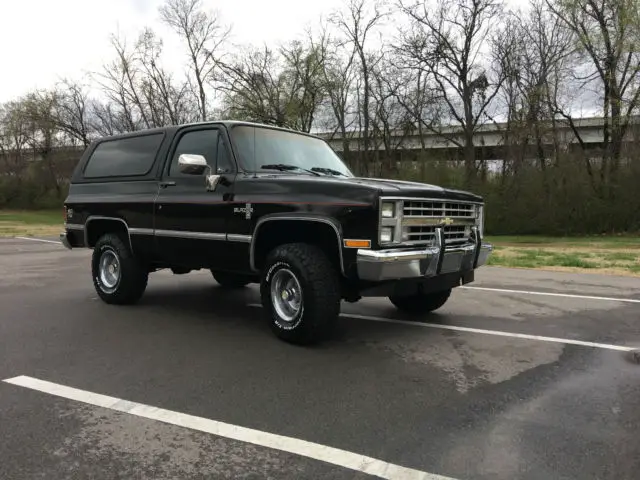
point(208, 300)
point(205, 304)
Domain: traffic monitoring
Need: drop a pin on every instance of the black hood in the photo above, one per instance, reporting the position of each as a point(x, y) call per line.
point(381, 186)
point(401, 188)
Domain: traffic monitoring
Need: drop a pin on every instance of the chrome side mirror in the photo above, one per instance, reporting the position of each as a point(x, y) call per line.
point(192, 164)
point(212, 182)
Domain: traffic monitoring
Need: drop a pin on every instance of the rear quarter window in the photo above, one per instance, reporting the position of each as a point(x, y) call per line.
point(125, 157)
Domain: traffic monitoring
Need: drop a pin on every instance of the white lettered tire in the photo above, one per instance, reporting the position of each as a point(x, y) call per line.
point(300, 293)
point(117, 275)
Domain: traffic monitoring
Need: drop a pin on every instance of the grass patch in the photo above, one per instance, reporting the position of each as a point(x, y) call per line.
point(18, 223)
point(589, 241)
point(602, 257)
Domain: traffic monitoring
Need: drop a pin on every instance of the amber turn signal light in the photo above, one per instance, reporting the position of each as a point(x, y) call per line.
point(357, 243)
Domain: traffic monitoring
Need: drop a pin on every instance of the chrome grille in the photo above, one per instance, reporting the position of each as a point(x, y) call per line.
point(417, 208)
point(455, 234)
point(415, 221)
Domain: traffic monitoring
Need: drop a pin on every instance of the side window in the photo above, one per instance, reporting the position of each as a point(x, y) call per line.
point(199, 142)
point(224, 160)
point(129, 156)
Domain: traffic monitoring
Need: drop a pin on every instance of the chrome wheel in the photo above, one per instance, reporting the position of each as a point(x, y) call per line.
point(109, 270)
point(286, 295)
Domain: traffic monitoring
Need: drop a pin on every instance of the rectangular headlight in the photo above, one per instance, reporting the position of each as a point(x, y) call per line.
point(388, 210)
point(386, 235)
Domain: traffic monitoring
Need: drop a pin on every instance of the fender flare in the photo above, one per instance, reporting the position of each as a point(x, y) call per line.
point(99, 217)
point(298, 217)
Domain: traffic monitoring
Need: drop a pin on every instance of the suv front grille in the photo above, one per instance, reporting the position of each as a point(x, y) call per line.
point(415, 220)
point(455, 234)
point(415, 208)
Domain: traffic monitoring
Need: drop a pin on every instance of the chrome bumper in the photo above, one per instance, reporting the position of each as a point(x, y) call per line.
point(64, 239)
point(379, 265)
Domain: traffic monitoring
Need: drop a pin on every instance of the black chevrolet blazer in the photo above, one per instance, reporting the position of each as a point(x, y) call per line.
point(259, 204)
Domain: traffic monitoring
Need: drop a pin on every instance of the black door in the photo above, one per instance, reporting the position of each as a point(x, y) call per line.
point(191, 222)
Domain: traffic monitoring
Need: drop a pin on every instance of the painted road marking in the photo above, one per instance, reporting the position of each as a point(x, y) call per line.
point(39, 240)
point(499, 333)
point(551, 294)
point(323, 453)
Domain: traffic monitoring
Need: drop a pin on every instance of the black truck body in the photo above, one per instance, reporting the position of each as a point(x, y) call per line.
point(231, 197)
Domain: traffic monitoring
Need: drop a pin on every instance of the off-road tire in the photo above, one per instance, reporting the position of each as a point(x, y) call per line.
point(421, 302)
point(320, 293)
point(230, 280)
point(133, 275)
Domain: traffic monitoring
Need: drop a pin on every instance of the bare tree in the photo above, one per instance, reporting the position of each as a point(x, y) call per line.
point(253, 87)
point(168, 102)
point(451, 41)
point(357, 23)
point(608, 32)
point(73, 111)
point(548, 61)
point(417, 91)
point(204, 35)
point(304, 68)
point(339, 75)
point(119, 80)
point(14, 139)
point(40, 110)
point(283, 88)
point(108, 119)
point(391, 121)
point(139, 91)
point(536, 60)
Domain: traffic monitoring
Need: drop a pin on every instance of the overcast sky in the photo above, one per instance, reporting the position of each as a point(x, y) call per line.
point(42, 40)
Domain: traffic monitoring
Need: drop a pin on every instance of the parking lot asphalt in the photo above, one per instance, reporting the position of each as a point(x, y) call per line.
point(459, 395)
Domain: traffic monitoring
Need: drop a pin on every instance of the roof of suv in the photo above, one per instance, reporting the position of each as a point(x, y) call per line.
point(173, 128)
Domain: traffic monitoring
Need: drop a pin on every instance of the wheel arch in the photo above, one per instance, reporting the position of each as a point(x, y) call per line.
point(96, 225)
point(265, 224)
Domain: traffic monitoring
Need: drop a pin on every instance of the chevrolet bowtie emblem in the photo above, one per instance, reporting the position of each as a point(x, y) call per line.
point(446, 221)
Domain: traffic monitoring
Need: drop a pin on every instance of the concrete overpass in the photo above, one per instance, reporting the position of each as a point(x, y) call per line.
point(489, 139)
point(489, 143)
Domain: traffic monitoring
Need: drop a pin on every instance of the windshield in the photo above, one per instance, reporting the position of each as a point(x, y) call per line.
point(267, 149)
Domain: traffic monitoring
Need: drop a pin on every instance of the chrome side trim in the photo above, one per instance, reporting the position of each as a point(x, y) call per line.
point(298, 218)
point(98, 217)
point(234, 237)
point(140, 231)
point(195, 235)
point(73, 226)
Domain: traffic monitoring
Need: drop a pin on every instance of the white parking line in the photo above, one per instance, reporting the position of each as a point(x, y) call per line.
point(39, 240)
point(323, 453)
point(498, 333)
point(552, 294)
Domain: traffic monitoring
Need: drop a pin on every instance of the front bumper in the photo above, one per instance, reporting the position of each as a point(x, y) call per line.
point(64, 239)
point(380, 265)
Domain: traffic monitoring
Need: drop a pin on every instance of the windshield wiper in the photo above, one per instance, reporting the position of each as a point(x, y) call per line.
point(286, 167)
point(329, 171)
